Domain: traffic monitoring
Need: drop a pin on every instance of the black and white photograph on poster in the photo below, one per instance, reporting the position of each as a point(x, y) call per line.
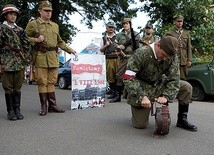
point(88, 81)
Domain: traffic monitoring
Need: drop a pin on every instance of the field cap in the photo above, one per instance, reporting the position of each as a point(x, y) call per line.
point(45, 5)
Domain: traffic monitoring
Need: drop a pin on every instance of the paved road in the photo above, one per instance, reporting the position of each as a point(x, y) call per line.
point(99, 131)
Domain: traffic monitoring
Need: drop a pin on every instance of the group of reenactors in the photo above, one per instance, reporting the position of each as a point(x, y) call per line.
point(36, 45)
point(134, 64)
point(135, 67)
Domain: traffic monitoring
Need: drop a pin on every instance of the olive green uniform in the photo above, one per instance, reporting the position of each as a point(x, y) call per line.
point(46, 59)
point(184, 50)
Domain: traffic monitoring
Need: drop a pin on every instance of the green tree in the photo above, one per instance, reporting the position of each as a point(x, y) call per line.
point(199, 19)
point(90, 10)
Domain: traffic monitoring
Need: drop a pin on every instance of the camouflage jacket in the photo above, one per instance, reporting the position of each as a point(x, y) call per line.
point(185, 48)
point(15, 48)
point(149, 76)
point(122, 38)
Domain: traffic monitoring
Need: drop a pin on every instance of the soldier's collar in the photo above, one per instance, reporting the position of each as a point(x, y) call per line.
point(42, 21)
point(10, 26)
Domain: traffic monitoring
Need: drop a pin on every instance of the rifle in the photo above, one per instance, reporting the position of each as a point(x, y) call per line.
point(134, 45)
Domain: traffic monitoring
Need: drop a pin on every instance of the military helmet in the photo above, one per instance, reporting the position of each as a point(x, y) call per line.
point(45, 5)
point(111, 24)
point(9, 8)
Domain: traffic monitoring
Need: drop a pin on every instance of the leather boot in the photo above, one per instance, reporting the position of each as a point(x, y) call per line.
point(43, 101)
point(117, 97)
point(182, 118)
point(113, 95)
point(10, 111)
point(17, 100)
point(52, 104)
point(112, 89)
point(125, 94)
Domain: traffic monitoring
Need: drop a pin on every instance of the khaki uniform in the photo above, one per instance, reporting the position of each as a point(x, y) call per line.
point(146, 40)
point(111, 59)
point(184, 50)
point(46, 59)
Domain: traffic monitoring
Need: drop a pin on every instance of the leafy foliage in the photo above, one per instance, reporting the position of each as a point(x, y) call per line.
point(90, 10)
point(199, 19)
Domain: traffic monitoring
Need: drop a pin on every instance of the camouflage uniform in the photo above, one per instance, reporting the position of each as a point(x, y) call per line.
point(154, 79)
point(14, 56)
point(46, 58)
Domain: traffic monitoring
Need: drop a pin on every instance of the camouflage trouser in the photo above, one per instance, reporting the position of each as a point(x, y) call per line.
point(111, 68)
point(121, 70)
point(12, 81)
point(137, 88)
point(46, 79)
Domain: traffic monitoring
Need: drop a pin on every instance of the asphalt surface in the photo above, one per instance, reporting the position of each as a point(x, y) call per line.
point(99, 131)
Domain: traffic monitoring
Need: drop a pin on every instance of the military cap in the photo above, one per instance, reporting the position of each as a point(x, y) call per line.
point(111, 24)
point(9, 8)
point(176, 17)
point(169, 44)
point(126, 20)
point(148, 25)
point(45, 5)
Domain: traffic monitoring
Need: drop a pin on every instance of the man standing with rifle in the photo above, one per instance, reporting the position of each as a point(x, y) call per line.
point(14, 56)
point(108, 48)
point(128, 42)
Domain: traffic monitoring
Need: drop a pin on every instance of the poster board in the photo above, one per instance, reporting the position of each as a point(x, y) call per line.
point(88, 81)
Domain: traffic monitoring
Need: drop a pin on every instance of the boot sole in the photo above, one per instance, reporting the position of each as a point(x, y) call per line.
point(181, 126)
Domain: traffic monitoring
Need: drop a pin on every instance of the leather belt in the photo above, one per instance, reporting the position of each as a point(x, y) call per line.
point(45, 49)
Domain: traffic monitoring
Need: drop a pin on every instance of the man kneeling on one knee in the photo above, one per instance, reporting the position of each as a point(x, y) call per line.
point(153, 75)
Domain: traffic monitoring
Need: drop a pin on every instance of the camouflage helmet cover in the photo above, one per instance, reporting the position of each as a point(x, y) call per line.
point(9, 8)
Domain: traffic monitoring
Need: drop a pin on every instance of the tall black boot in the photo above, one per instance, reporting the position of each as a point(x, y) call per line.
point(117, 97)
point(10, 111)
point(182, 118)
point(113, 92)
point(52, 104)
point(16, 103)
point(111, 88)
point(43, 100)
